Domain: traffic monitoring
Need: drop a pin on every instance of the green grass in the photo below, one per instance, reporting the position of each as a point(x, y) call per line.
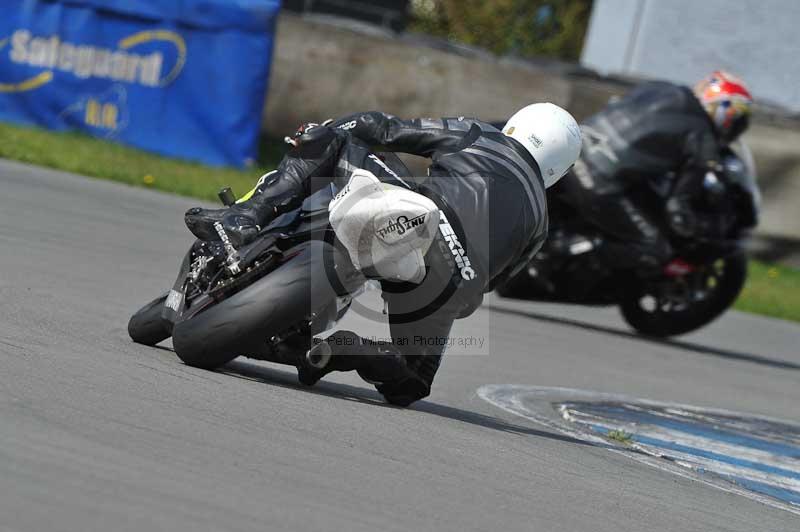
point(620, 436)
point(75, 152)
point(771, 290)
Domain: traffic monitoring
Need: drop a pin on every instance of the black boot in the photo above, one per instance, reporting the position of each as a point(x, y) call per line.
point(241, 221)
point(405, 391)
point(341, 351)
point(380, 364)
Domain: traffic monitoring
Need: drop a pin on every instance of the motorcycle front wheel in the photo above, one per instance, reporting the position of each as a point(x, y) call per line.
point(674, 306)
point(147, 327)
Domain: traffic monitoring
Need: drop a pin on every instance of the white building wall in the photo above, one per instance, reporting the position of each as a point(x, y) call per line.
point(682, 40)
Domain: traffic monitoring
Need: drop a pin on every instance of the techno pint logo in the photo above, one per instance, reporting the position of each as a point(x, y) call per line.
point(400, 226)
point(121, 64)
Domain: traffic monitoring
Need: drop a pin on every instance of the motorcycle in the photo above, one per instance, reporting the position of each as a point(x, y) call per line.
point(703, 280)
point(266, 300)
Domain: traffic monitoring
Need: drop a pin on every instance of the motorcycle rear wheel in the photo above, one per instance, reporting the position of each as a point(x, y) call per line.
point(244, 323)
point(661, 323)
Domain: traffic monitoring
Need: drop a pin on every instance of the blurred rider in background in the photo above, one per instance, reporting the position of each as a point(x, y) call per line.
point(435, 246)
point(656, 129)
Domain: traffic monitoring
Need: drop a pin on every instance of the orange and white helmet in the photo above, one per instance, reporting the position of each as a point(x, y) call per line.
point(727, 101)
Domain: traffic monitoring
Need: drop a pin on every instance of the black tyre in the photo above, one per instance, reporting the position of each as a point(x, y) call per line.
point(720, 283)
point(521, 286)
point(147, 326)
point(243, 323)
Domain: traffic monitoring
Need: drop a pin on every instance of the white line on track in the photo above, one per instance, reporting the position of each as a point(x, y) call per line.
point(516, 399)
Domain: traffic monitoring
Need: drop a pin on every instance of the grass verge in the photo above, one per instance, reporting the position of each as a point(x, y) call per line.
point(620, 436)
point(771, 290)
point(75, 152)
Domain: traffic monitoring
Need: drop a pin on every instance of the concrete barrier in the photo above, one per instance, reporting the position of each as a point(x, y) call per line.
point(326, 68)
point(322, 70)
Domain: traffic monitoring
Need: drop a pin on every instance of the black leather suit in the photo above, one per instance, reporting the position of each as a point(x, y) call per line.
point(657, 129)
point(490, 193)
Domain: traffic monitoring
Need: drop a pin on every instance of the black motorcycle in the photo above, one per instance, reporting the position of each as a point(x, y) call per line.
point(265, 300)
point(699, 284)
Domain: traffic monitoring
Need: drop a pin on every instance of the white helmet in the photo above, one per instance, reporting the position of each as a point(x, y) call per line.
point(550, 134)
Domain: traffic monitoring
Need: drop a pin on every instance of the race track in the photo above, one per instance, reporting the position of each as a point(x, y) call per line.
point(98, 434)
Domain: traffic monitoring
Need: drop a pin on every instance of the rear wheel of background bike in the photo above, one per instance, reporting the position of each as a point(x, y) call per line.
point(147, 327)
point(521, 286)
point(674, 306)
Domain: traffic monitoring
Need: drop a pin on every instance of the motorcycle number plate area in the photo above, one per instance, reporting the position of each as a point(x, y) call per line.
point(173, 305)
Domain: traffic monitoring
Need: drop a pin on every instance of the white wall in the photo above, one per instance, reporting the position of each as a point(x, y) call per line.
point(683, 40)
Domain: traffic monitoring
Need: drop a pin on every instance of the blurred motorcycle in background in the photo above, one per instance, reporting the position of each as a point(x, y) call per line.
point(702, 280)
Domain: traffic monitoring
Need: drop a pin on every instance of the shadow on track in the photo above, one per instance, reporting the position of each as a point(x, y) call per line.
point(287, 379)
point(688, 346)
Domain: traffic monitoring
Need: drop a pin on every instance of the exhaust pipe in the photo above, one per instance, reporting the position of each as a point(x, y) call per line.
point(319, 355)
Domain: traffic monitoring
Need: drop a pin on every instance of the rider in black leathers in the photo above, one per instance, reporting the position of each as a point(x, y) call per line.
point(657, 129)
point(486, 184)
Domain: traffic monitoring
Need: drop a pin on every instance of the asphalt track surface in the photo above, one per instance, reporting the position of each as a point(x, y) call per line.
point(97, 433)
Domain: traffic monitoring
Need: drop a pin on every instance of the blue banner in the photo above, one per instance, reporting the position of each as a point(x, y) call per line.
point(184, 78)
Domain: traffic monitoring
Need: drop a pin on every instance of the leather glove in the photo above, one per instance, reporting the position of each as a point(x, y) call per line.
point(310, 132)
point(711, 227)
point(318, 146)
point(681, 218)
